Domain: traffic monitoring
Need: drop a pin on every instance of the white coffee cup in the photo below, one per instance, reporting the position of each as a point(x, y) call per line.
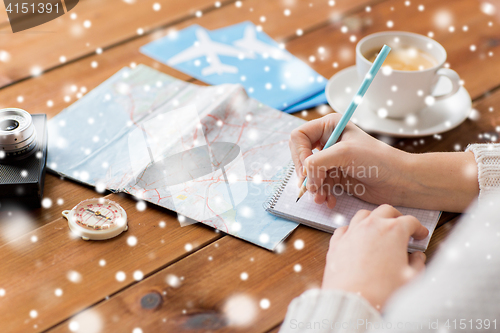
point(396, 93)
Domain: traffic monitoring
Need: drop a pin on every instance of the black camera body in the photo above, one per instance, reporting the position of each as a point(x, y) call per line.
point(23, 158)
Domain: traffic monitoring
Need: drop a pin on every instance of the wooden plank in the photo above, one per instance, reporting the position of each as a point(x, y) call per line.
point(31, 271)
point(212, 276)
point(111, 22)
point(76, 41)
point(199, 299)
point(209, 279)
point(55, 85)
point(17, 221)
point(445, 218)
point(47, 93)
point(275, 330)
point(438, 237)
point(473, 67)
point(60, 243)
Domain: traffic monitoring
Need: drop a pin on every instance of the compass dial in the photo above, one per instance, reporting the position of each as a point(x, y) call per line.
point(97, 216)
point(97, 219)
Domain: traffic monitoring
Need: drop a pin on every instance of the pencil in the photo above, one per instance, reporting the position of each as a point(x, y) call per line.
point(356, 100)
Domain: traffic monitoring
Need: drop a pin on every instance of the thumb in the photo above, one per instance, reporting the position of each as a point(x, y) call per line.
point(416, 260)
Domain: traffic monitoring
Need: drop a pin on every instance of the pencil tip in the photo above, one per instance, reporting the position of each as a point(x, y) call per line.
point(297, 199)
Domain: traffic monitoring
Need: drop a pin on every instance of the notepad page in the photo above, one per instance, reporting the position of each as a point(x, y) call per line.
point(320, 216)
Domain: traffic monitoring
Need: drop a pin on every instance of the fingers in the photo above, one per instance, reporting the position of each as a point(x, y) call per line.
point(312, 134)
point(337, 235)
point(413, 227)
point(410, 224)
point(332, 157)
point(328, 184)
point(386, 211)
point(316, 174)
point(416, 260)
point(331, 201)
point(360, 216)
point(320, 196)
point(303, 140)
point(325, 194)
point(339, 232)
point(295, 158)
point(318, 166)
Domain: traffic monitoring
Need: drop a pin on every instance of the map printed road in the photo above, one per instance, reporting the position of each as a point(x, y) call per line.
point(211, 154)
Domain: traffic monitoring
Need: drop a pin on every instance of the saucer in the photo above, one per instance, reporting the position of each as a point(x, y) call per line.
point(442, 116)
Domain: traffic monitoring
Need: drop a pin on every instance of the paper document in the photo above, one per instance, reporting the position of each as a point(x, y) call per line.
point(209, 153)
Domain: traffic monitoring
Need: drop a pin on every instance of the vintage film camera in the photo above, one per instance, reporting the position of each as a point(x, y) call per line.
point(23, 157)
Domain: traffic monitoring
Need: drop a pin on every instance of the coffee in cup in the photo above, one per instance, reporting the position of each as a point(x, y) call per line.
point(407, 58)
point(406, 81)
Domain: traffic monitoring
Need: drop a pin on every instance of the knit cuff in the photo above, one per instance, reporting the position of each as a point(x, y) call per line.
point(487, 157)
point(321, 310)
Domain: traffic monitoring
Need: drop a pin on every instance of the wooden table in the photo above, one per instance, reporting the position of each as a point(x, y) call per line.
point(51, 281)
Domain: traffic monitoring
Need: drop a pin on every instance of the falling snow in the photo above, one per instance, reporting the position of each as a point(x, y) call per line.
point(120, 276)
point(264, 303)
point(298, 244)
point(46, 203)
point(141, 206)
point(488, 8)
point(173, 281)
point(132, 241)
point(74, 276)
point(240, 310)
point(4, 56)
point(138, 275)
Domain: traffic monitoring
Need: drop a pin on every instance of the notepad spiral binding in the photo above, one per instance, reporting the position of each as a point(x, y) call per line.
point(278, 190)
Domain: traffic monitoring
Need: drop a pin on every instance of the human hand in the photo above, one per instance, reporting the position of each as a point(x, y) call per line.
point(370, 257)
point(357, 164)
point(378, 173)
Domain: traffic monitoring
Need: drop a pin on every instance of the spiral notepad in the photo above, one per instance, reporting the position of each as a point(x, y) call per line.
point(283, 203)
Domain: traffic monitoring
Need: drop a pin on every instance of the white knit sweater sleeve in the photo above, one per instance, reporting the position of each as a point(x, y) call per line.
point(487, 157)
point(330, 311)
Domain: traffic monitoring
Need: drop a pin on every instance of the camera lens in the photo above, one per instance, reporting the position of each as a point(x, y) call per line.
point(9, 125)
point(17, 134)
